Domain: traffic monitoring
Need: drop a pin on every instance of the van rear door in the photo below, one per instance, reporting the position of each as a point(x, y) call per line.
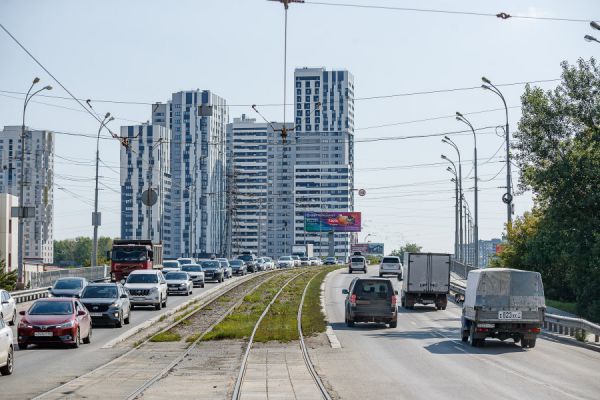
point(373, 296)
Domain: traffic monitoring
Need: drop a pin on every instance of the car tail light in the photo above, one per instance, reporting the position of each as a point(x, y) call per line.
point(353, 299)
point(394, 300)
point(483, 329)
point(535, 330)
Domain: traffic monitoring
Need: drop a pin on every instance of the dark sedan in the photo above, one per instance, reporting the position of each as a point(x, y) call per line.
point(68, 287)
point(238, 267)
point(107, 303)
point(57, 320)
point(213, 271)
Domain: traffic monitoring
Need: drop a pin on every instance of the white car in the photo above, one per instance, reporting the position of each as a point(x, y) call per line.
point(179, 282)
point(8, 308)
point(269, 264)
point(390, 265)
point(196, 273)
point(285, 262)
point(170, 266)
point(297, 262)
point(185, 261)
point(147, 287)
point(227, 270)
point(6, 349)
point(357, 263)
point(315, 261)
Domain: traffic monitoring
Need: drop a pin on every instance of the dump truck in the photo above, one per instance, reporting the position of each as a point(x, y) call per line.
point(503, 303)
point(426, 280)
point(130, 255)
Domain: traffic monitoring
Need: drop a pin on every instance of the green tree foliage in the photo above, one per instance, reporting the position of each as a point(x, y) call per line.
point(408, 247)
point(558, 151)
point(78, 251)
point(8, 280)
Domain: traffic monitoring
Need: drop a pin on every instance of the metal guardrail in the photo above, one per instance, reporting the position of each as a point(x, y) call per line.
point(461, 269)
point(41, 281)
point(552, 322)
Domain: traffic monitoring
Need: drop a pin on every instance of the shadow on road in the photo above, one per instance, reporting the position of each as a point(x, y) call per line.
point(362, 326)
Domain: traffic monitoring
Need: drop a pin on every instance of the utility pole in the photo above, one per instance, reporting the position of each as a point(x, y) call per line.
point(96, 216)
point(507, 198)
point(462, 118)
point(21, 211)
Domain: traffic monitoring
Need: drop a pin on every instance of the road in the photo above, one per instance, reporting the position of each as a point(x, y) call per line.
point(39, 369)
point(424, 358)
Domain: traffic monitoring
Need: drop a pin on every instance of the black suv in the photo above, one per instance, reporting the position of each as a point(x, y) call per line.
point(213, 270)
point(250, 260)
point(107, 303)
point(371, 300)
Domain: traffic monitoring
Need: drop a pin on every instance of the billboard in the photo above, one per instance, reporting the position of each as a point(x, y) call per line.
point(332, 221)
point(375, 249)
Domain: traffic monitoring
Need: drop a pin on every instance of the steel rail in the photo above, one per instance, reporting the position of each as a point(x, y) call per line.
point(309, 364)
point(237, 389)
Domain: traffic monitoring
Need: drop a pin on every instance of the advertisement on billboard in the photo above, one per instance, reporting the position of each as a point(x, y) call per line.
point(332, 222)
point(372, 249)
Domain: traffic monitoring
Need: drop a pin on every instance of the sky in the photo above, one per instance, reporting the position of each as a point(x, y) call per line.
point(143, 50)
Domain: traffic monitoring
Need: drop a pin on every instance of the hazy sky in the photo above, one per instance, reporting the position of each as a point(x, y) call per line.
point(142, 51)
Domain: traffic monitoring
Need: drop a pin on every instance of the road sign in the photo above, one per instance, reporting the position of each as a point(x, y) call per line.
point(507, 198)
point(149, 197)
point(362, 192)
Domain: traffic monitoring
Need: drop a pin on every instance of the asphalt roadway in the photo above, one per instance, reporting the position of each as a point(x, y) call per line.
point(39, 369)
point(424, 358)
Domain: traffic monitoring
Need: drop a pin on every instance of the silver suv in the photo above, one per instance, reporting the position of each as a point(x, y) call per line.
point(147, 287)
point(357, 263)
point(391, 265)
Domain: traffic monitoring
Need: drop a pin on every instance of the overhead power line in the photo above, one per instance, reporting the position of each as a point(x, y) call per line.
point(500, 15)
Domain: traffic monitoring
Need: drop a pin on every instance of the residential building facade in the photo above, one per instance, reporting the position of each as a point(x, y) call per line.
point(323, 141)
point(9, 233)
point(197, 120)
point(247, 176)
point(38, 186)
point(145, 163)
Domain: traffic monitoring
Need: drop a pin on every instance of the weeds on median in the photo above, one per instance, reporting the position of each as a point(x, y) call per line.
point(167, 336)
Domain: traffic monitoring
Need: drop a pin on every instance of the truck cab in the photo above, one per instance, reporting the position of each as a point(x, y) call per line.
point(131, 255)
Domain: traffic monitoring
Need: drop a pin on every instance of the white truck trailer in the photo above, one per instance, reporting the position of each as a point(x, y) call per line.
point(426, 279)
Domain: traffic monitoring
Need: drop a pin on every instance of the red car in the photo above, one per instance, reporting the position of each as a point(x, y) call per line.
point(55, 320)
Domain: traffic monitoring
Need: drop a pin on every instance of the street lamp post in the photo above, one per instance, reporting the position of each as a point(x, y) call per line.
point(462, 118)
point(507, 198)
point(449, 141)
point(456, 200)
point(590, 38)
point(21, 209)
point(96, 220)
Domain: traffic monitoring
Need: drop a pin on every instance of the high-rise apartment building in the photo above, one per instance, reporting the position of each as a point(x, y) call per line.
point(323, 142)
point(145, 164)
point(38, 186)
point(9, 238)
point(247, 177)
point(197, 120)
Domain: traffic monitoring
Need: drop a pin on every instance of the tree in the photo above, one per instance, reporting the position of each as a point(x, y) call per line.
point(558, 151)
point(78, 251)
point(408, 247)
point(8, 280)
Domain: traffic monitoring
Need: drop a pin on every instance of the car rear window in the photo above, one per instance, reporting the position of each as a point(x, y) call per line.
point(68, 284)
point(391, 260)
point(366, 289)
point(357, 259)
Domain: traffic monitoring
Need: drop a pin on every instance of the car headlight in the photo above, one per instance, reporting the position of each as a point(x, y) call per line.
point(24, 325)
point(69, 324)
point(114, 305)
point(182, 285)
point(154, 289)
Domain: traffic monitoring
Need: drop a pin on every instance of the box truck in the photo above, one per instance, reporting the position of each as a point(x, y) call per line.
point(426, 279)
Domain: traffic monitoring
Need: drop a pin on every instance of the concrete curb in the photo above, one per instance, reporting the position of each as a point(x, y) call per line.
point(333, 340)
point(197, 299)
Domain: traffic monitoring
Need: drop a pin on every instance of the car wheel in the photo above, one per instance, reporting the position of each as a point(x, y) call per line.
point(349, 271)
point(8, 368)
point(132, 307)
point(365, 271)
point(164, 303)
point(88, 339)
point(393, 324)
point(13, 321)
point(202, 285)
point(381, 275)
point(119, 322)
point(349, 323)
point(77, 340)
point(532, 343)
point(126, 320)
point(524, 343)
point(157, 305)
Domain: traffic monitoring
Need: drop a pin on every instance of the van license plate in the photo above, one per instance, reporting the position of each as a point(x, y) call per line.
point(42, 333)
point(509, 315)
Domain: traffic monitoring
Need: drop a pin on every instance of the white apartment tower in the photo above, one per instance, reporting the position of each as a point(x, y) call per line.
point(38, 186)
point(323, 141)
point(247, 177)
point(145, 164)
point(197, 119)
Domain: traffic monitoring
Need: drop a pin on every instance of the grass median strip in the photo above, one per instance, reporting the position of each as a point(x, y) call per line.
point(167, 336)
point(280, 323)
point(241, 321)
